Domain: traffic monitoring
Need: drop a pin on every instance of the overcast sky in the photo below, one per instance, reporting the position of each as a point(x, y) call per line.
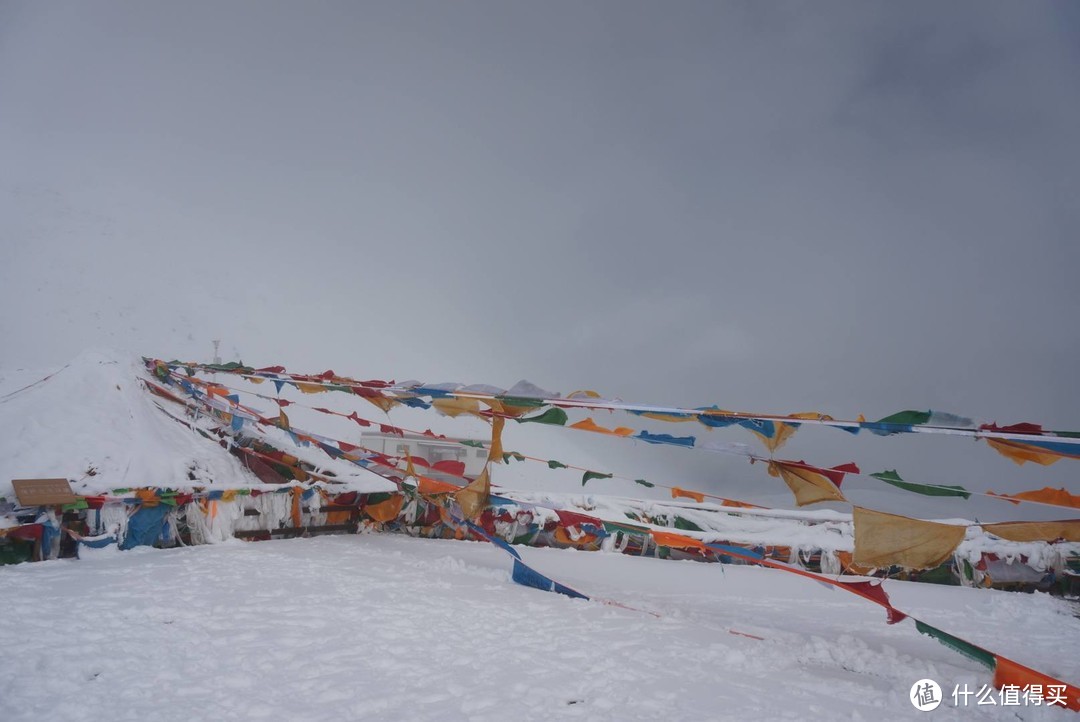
point(841, 207)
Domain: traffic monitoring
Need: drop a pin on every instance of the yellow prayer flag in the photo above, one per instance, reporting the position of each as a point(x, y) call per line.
point(883, 540)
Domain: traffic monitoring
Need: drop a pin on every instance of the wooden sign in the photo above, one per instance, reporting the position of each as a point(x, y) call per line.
point(43, 492)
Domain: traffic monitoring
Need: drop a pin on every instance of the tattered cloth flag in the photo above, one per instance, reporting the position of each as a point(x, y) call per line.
point(1042, 452)
point(1029, 531)
point(387, 510)
point(903, 422)
point(495, 450)
point(552, 464)
point(590, 425)
point(685, 441)
point(1046, 495)
point(773, 434)
point(810, 484)
point(676, 493)
point(883, 540)
point(474, 497)
point(891, 477)
point(553, 416)
point(455, 407)
point(589, 475)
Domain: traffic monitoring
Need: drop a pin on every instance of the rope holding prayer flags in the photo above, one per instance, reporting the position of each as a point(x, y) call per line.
point(774, 429)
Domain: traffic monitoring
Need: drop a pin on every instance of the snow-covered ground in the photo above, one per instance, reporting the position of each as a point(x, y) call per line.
point(389, 627)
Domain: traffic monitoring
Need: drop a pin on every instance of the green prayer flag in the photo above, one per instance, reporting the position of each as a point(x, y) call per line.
point(553, 416)
point(644, 483)
point(967, 649)
point(474, 444)
point(907, 418)
point(685, 524)
point(594, 475)
point(611, 527)
point(521, 402)
point(891, 477)
point(231, 366)
point(552, 464)
point(512, 455)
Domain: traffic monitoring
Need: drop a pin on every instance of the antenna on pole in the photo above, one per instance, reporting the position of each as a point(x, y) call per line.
point(217, 356)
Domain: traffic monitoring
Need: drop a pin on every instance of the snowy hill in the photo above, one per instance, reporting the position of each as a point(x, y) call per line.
point(92, 422)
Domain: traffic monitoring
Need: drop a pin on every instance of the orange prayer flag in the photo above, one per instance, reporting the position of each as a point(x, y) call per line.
point(739, 504)
point(1046, 495)
point(1009, 672)
point(848, 564)
point(386, 511)
point(676, 541)
point(590, 425)
point(673, 418)
point(1020, 452)
point(147, 497)
point(426, 485)
point(676, 492)
point(297, 518)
